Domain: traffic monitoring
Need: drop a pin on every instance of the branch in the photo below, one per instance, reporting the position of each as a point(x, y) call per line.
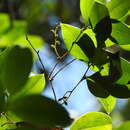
point(43, 67)
point(65, 97)
point(64, 66)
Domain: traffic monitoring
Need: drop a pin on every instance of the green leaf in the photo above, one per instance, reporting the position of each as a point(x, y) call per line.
point(93, 121)
point(40, 110)
point(124, 126)
point(102, 1)
point(103, 29)
point(36, 41)
point(119, 91)
point(70, 34)
point(87, 45)
point(99, 12)
point(18, 29)
point(2, 98)
point(96, 85)
point(4, 120)
point(120, 32)
point(117, 8)
point(103, 86)
point(16, 66)
point(125, 66)
point(100, 57)
point(100, 22)
point(4, 23)
point(91, 34)
point(34, 85)
point(115, 71)
point(23, 128)
point(108, 103)
point(86, 7)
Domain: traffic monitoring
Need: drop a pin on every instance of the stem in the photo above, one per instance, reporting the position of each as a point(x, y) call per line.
point(53, 69)
point(43, 67)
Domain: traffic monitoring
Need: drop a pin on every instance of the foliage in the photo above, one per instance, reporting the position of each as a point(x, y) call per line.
point(102, 44)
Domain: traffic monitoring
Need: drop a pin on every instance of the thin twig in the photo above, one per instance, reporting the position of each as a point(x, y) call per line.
point(53, 69)
point(64, 66)
point(65, 54)
point(65, 97)
point(43, 67)
point(53, 90)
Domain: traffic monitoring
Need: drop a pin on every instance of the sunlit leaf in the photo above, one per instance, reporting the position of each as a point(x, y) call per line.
point(36, 41)
point(18, 29)
point(117, 8)
point(102, 1)
point(93, 121)
point(4, 125)
point(125, 66)
point(40, 110)
point(108, 103)
point(100, 22)
point(70, 34)
point(4, 23)
point(120, 32)
point(86, 7)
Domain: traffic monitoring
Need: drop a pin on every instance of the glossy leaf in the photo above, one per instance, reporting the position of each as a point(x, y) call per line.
point(124, 126)
point(70, 34)
point(108, 103)
point(117, 8)
point(40, 110)
point(96, 85)
point(93, 121)
point(120, 32)
point(16, 66)
point(86, 7)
